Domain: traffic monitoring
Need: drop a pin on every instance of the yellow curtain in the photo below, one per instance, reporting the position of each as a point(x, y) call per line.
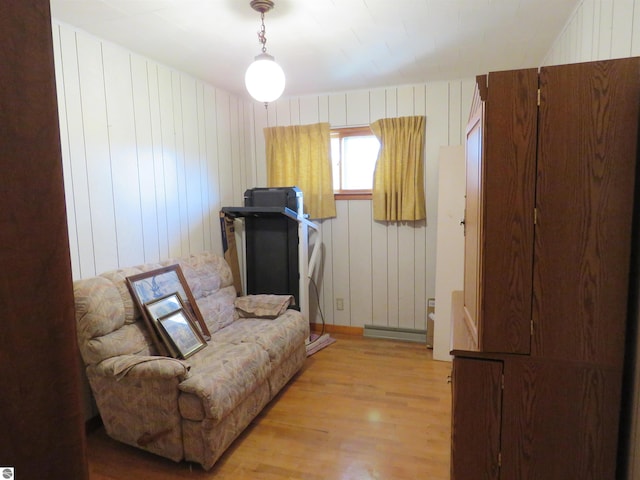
point(398, 182)
point(300, 155)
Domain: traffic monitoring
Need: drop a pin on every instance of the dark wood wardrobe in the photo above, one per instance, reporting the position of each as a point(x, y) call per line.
point(540, 346)
point(41, 420)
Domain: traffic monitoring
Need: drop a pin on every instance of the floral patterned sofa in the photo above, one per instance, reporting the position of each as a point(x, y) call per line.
point(189, 409)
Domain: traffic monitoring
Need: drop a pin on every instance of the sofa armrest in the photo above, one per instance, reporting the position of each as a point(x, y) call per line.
point(143, 366)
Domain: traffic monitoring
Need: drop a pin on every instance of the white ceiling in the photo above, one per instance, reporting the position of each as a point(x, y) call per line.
point(329, 45)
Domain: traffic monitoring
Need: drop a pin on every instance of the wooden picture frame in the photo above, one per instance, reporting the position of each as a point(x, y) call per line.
point(185, 337)
point(153, 285)
point(163, 306)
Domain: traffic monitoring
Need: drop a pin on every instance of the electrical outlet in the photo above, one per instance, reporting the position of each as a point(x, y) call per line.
point(339, 303)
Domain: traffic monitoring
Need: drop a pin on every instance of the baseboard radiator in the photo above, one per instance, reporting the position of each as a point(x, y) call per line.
point(392, 333)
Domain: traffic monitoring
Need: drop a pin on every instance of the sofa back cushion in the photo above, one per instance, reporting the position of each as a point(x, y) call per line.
point(211, 282)
point(110, 324)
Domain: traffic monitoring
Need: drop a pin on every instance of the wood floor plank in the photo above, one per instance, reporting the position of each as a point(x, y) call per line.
point(362, 408)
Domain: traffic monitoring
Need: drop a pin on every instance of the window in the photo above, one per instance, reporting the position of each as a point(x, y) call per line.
point(354, 152)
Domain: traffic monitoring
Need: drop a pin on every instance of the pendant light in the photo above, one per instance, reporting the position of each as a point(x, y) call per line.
point(264, 78)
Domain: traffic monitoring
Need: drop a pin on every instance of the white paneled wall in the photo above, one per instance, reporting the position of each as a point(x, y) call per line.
point(601, 30)
point(150, 155)
point(384, 272)
point(598, 30)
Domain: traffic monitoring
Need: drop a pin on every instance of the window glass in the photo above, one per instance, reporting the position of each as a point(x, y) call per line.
point(354, 152)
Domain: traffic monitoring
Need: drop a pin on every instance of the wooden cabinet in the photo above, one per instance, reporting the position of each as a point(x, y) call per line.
point(551, 170)
point(477, 399)
point(499, 213)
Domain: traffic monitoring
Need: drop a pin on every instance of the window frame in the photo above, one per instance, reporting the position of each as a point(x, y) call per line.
point(340, 133)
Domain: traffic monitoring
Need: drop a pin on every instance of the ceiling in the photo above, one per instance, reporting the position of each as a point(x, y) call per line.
point(329, 46)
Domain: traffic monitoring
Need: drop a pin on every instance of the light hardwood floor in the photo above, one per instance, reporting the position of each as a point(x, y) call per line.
point(360, 409)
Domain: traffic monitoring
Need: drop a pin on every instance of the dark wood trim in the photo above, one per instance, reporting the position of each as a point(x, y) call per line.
point(353, 195)
point(345, 330)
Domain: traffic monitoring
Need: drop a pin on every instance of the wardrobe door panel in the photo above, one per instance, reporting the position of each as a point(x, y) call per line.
point(477, 406)
point(585, 182)
point(508, 210)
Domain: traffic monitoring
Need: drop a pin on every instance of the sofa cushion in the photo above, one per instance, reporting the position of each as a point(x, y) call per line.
point(221, 376)
point(211, 283)
point(279, 337)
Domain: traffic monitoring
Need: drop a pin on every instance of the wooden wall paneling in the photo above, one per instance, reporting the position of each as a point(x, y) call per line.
point(203, 174)
point(192, 175)
point(65, 147)
point(406, 101)
point(340, 262)
point(181, 234)
point(169, 187)
point(282, 113)
point(235, 159)
point(595, 33)
point(420, 275)
point(159, 172)
point(309, 110)
point(420, 234)
point(225, 170)
point(74, 156)
point(585, 14)
point(391, 102)
point(379, 273)
point(261, 117)
point(411, 285)
point(456, 114)
point(605, 28)
point(407, 267)
point(622, 24)
point(572, 30)
point(144, 141)
point(377, 104)
point(325, 285)
point(246, 149)
point(294, 109)
point(379, 239)
point(338, 110)
point(250, 145)
point(394, 251)
point(323, 109)
point(123, 153)
point(360, 281)
point(96, 138)
point(635, 31)
point(357, 108)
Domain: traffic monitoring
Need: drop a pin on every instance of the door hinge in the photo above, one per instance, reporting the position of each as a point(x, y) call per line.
point(532, 328)
point(502, 381)
point(538, 97)
point(535, 216)
point(499, 459)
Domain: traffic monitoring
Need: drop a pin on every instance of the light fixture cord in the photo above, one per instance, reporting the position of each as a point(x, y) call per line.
point(262, 38)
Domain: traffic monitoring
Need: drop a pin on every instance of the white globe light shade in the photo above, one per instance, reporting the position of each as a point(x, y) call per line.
point(264, 79)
